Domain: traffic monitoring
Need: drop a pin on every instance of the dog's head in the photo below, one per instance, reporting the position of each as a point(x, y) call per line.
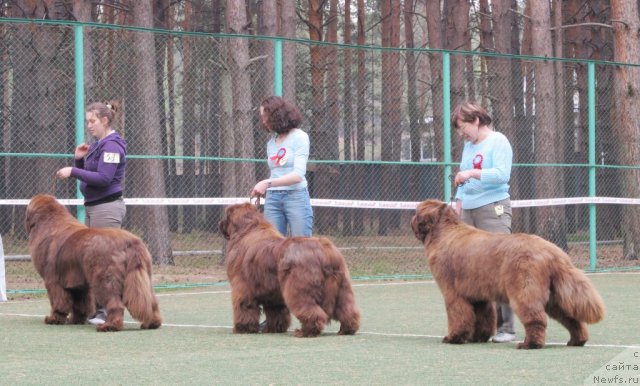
point(42, 209)
point(239, 218)
point(429, 215)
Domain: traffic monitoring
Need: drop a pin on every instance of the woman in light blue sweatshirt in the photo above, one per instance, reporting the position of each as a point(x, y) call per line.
point(287, 203)
point(482, 198)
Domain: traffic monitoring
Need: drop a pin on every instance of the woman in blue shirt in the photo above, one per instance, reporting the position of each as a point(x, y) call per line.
point(287, 203)
point(482, 198)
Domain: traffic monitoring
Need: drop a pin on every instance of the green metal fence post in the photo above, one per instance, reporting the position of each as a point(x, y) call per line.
point(78, 37)
point(591, 102)
point(446, 113)
point(277, 68)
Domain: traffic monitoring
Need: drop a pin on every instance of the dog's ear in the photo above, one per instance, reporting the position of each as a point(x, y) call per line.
point(35, 209)
point(223, 225)
point(447, 215)
point(418, 226)
point(28, 220)
point(421, 222)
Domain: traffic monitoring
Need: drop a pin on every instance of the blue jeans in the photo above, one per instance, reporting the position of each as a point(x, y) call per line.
point(289, 210)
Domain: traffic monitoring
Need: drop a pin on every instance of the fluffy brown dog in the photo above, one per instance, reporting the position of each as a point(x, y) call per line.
point(474, 268)
point(306, 276)
point(82, 265)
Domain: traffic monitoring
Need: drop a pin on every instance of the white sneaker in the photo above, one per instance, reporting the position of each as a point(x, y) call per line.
point(503, 337)
point(99, 318)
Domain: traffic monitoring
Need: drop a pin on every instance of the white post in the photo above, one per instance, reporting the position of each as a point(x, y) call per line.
point(3, 284)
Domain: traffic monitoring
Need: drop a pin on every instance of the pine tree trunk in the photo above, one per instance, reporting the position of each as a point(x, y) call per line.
point(627, 89)
point(147, 132)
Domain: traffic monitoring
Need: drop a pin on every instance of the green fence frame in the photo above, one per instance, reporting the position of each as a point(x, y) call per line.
point(79, 27)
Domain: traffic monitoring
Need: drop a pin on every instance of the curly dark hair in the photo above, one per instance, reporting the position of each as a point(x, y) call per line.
point(281, 115)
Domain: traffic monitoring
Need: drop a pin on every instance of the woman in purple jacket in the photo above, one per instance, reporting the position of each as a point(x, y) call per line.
point(100, 169)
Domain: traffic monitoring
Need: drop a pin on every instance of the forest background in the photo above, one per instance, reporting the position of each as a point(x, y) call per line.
point(405, 123)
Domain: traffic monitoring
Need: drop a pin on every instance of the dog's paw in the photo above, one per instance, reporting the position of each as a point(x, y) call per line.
point(252, 328)
point(55, 319)
point(346, 331)
point(453, 339)
point(151, 325)
point(480, 339)
point(78, 319)
point(530, 345)
point(108, 327)
point(576, 343)
point(300, 333)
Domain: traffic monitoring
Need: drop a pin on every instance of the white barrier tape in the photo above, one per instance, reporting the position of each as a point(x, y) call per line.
point(346, 203)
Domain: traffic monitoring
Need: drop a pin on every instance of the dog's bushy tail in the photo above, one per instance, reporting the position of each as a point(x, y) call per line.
point(338, 283)
point(574, 293)
point(138, 293)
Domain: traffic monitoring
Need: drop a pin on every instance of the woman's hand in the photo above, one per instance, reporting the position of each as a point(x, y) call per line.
point(464, 176)
point(260, 189)
point(81, 151)
point(64, 173)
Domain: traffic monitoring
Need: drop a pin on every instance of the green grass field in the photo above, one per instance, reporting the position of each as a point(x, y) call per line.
point(398, 344)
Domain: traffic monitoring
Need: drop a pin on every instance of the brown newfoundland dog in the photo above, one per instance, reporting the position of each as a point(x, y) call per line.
point(82, 265)
point(306, 276)
point(474, 268)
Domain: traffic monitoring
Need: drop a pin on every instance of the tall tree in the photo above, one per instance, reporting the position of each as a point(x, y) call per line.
point(523, 149)
point(215, 92)
point(412, 93)
point(5, 210)
point(41, 98)
point(82, 13)
point(600, 45)
point(164, 49)
point(521, 127)
point(501, 76)
point(288, 24)
point(549, 220)
point(263, 81)
point(268, 26)
point(347, 110)
point(458, 36)
point(241, 92)
point(190, 95)
point(414, 109)
point(147, 138)
point(487, 43)
point(436, 33)
point(361, 91)
point(505, 95)
point(328, 217)
point(627, 88)
point(323, 135)
point(391, 116)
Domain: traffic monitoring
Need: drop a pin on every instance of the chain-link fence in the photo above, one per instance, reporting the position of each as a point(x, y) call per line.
point(377, 118)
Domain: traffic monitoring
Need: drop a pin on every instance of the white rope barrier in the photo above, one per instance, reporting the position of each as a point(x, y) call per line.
point(320, 202)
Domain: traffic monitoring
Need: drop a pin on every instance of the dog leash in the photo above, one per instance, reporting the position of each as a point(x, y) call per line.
point(53, 188)
point(452, 178)
point(257, 198)
point(55, 185)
